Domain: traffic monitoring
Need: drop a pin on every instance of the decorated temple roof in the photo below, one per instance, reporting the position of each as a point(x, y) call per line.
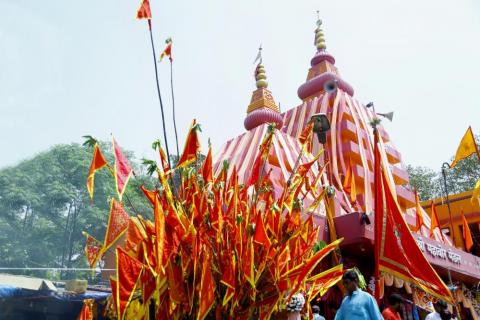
point(349, 143)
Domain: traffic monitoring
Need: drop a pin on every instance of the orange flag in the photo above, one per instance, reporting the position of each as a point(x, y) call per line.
point(122, 170)
point(467, 235)
point(129, 271)
point(93, 250)
point(167, 52)
point(192, 146)
point(87, 310)
point(434, 222)
point(305, 167)
point(262, 156)
point(117, 224)
point(467, 147)
point(98, 162)
point(151, 195)
point(349, 183)
point(207, 168)
point(306, 137)
point(418, 214)
point(206, 298)
point(159, 218)
point(144, 11)
point(320, 283)
point(135, 234)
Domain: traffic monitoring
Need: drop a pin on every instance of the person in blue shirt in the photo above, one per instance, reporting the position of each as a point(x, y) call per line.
point(358, 304)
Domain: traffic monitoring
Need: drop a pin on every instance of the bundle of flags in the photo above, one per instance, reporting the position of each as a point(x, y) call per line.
point(215, 247)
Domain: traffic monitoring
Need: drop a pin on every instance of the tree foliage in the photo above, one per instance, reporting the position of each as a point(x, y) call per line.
point(44, 207)
point(463, 177)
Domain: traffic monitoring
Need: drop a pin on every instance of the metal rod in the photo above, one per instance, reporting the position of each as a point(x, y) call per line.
point(159, 93)
point(446, 166)
point(173, 106)
point(58, 269)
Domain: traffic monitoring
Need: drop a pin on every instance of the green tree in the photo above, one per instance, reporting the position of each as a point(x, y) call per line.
point(430, 184)
point(44, 206)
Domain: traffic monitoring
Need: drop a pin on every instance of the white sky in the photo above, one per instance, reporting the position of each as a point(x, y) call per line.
point(71, 68)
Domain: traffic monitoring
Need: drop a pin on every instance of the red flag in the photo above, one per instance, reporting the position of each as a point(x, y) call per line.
point(167, 52)
point(192, 146)
point(93, 250)
point(98, 162)
point(129, 271)
point(149, 284)
point(260, 160)
point(122, 170)
point(260, 235)
point(117, 224)
point(207, 168)
point(228, 279)
point(396, 250)
point(249, 264)
point(206, 298)
point(467, 235)
point(434, 222)
point(144, 11)
point(176, 283)
point(87, 310)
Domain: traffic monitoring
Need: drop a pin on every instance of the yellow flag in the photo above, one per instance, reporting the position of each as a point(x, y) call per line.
point(466, 148)
point(476, 192)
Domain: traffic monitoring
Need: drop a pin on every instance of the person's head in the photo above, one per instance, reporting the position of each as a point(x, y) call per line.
point(350, 281)
point(395, 301)
point(440, 306)
point(445, 315)
point(315, 309)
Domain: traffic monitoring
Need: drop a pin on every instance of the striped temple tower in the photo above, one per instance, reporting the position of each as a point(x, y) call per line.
point(349, 143)
point(262, 108)
point(350, 140)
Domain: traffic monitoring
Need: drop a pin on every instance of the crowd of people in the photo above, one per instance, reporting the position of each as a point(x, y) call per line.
point(360, 305)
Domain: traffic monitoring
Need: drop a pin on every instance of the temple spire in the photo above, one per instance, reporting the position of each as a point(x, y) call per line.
point(262, 108)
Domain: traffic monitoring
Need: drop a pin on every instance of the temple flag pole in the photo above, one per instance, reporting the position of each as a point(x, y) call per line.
point(173, 105)
point(377, 187)
point(158, 91)
point(446, 166)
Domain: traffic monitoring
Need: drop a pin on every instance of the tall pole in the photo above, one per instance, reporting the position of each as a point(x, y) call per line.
point(173, 106)
point(376, 185)
point(158, 91)
point(446, 166)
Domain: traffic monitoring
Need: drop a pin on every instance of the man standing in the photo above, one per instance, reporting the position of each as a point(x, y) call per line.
point(395, 302)
point(358, 304)
point(440, 307)
point(316, 313)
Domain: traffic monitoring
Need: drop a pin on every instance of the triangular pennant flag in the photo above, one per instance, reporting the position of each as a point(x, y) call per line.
point(129, 271)
point(98, 162)
point(122, 170)
point(467, 147)
point(117, 224)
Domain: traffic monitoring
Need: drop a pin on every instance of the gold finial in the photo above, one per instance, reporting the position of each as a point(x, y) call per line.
point(319, 36)
point(261, 76)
